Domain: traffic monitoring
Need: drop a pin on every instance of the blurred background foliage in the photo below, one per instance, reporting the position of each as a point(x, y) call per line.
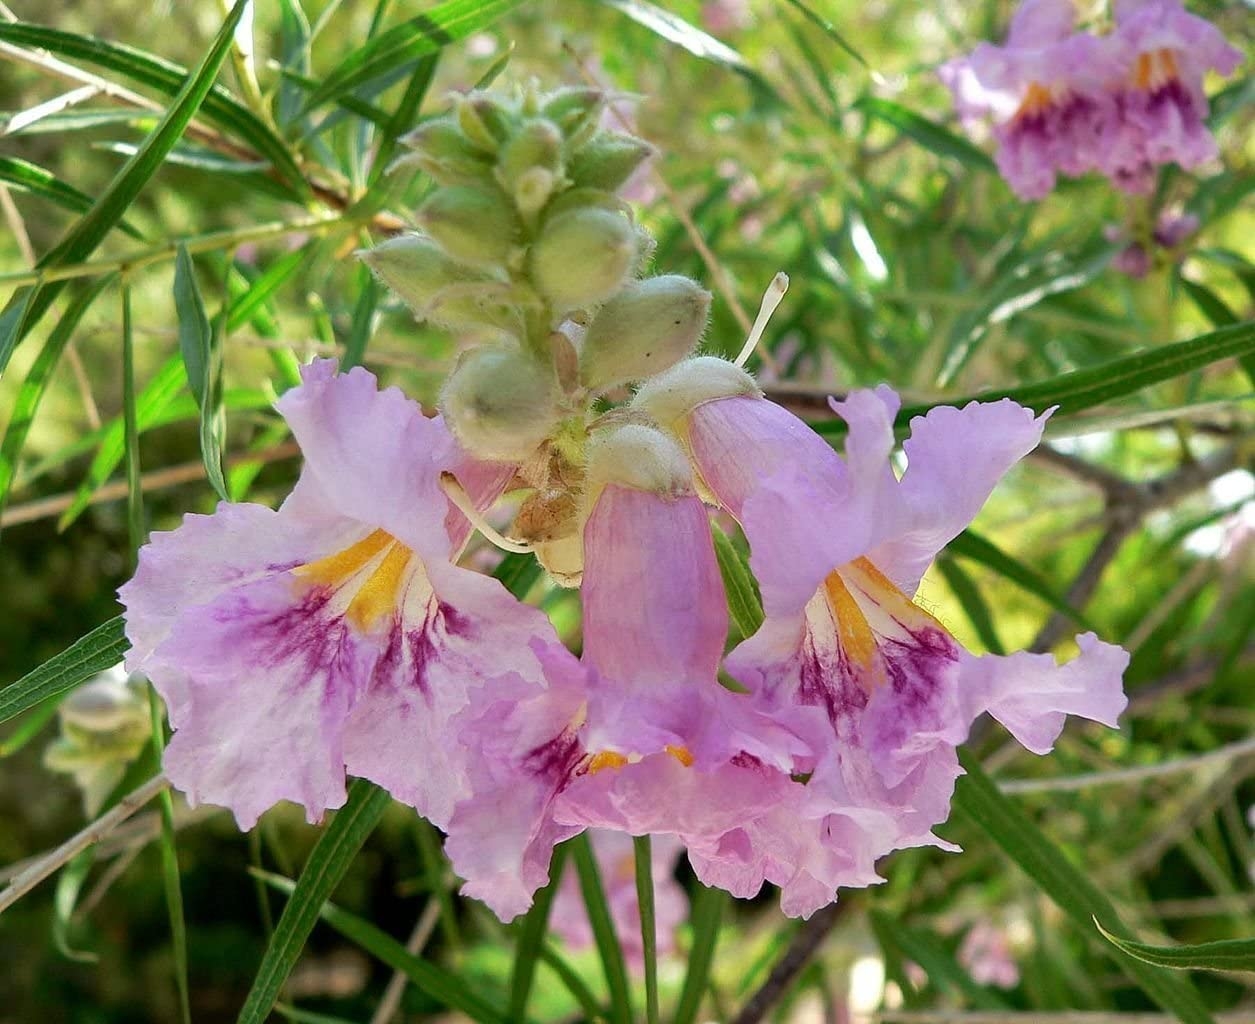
point(813, 139)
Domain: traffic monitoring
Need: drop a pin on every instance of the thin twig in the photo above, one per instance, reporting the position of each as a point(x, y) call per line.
point(170, 476)
point(93, 833)
point(1120, 776)
point(806, 942)
point(396, 984)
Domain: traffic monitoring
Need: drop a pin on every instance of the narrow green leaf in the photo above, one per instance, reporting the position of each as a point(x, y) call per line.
point(362, 325)
point(978, 798)
point(675, 29)
point(744, 607)
point(939, 964)
point(29, 177)
point(65, 896)
point(1218, 312)
point(329, 860)
point(220, 107)
point(705, 915)
point(32, 725)
point(643, 859)
point(518, 573)
point(168, 381)
point(980, 549)
point(1224, 955)
point(203, 359)
point(572, 982)
point(445, 988)
point(32, 389)
point(92, 227)
point(531, 939)
point(419, 36)
point(130, 430)
point(928, 134)
point(604, 935)
point(830, 30)
point(260, 291)
point(404, 115)
point(88, 656)
point(1084, 389)
point(968, 594)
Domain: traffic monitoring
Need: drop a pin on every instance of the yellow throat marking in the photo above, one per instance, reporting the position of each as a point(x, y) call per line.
point(377, 596)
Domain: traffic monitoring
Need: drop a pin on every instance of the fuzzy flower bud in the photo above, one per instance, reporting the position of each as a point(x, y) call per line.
point(483, 121)
point(575, 110)
point(500, 403)
point(606, 161)
point(474, 225)
point(582, 258)
point(529, 166)
point(443, 151)
point(640, 457)
point(645, 329)
point(671, 396)
point(438, 288)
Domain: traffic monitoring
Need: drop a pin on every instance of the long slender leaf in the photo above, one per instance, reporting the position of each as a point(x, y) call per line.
point(978, 798)
point(968, 594)
point(1224, 955)
point(329, 860)
point(939, 964)
point(744, 606)
point(31, 393)
point(706, 913)
point(419, 36)
point(643, 857)
point(928, 134)
point(220, 107)
point(203, 361)
point(1084, 389)
point(604, 935)
point(88, 656)
point(29, 177)
point(90, 230)
point(531, 939)
point(449, 991)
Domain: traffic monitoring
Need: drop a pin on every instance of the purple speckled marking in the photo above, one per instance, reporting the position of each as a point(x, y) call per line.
point(558, 759)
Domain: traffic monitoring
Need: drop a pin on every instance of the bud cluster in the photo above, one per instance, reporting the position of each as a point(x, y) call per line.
point(525, 247)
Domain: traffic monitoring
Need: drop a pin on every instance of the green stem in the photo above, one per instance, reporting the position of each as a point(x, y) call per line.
point(649, 933)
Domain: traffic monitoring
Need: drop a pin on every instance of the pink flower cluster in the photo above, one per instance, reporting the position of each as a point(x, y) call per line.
point(1068, 102)
point(340, 635)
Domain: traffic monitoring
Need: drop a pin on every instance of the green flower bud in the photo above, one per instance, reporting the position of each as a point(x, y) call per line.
point(640, 457)
point(647, 328)
point(529, 165)
point(606, 161)
point(582, 258)
point(444, 152)
point(575, 110)
point(439, 289)
point(500, 403)
point(483, 121)
point(474, 225)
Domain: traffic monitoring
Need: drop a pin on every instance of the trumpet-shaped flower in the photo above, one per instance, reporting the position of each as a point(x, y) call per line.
point(334, 634)
point(1160, 54)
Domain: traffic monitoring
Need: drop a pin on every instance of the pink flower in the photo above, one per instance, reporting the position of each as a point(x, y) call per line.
point(1040, 92)
point(1160, 54)
point(877, 686)
point(986, 954)
point(334, 635)
point(649, 741)
point(616, 862)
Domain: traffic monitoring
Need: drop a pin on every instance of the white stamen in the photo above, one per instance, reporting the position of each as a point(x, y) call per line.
point(771, 299)
point(456, 493)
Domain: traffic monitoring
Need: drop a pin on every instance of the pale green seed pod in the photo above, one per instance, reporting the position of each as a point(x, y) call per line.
point(476, 226)
point(443, 151)
point(582, 258)
point(606, 161)
point(500, 403)
point(647, 328)
point(439, 289)
point(529, 165)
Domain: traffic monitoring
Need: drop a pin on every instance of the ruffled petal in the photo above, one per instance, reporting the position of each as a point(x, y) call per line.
point(1031, 695)
point(955, 458)
point(373, 455)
